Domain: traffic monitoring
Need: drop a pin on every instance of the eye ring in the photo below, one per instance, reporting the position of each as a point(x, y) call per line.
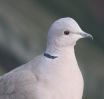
point(66, 32)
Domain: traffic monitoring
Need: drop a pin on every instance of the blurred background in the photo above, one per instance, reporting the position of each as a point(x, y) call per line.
point(23, 30)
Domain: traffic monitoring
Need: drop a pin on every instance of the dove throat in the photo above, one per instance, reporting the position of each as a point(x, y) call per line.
point(54, 52)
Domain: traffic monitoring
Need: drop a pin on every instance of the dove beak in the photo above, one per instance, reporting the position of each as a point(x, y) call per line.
point(86, 35)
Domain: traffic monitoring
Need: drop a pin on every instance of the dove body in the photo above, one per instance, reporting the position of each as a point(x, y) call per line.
point(54, 75)
point(49, 78)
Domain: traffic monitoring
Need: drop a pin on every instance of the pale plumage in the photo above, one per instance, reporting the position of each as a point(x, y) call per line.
point(46, 77)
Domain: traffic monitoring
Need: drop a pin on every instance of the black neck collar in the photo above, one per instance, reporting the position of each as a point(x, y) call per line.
point(50, 56)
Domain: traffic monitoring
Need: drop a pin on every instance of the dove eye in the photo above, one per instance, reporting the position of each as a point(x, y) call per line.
point(66, 32)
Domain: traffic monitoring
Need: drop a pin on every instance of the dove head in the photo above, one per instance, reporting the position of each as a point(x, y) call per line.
point(65, 32)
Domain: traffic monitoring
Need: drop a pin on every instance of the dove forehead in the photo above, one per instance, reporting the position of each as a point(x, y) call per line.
point(65, 24)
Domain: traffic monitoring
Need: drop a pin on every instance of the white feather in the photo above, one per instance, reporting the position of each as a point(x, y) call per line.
point(45, 78)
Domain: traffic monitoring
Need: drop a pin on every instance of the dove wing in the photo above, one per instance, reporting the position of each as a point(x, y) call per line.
point(19, 83)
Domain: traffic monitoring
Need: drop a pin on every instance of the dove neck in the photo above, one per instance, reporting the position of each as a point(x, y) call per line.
point(60, 51)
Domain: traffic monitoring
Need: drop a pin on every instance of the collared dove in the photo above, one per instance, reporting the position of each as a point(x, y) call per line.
point(52, 75)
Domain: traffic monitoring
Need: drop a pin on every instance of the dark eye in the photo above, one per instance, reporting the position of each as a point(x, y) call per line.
point(66, 32)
